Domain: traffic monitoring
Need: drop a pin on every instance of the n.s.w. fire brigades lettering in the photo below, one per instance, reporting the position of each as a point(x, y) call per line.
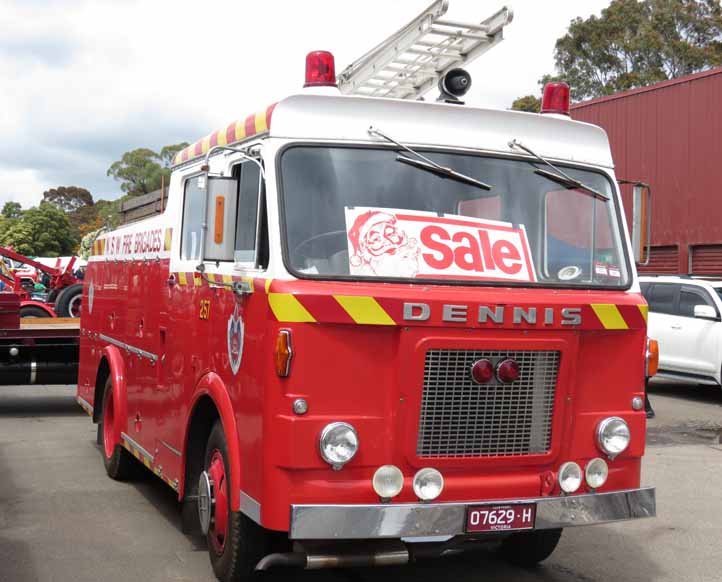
point(496, 315)
point(134, 243)
point(404, 243)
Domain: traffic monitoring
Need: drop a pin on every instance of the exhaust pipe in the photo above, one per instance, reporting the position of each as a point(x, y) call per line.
point(321, 561)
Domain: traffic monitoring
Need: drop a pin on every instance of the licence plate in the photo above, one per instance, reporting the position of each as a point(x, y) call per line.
point(500, 517)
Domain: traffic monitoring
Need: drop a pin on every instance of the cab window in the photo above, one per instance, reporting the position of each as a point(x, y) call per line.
point(193, 201)
point(249, 189)
point(251, 244)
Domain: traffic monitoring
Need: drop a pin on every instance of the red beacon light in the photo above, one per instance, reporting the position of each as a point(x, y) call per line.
point(556, 99)
point(320, 69)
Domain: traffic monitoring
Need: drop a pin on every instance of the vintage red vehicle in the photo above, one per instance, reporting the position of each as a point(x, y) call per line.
point(378, 320)
point(65, 290)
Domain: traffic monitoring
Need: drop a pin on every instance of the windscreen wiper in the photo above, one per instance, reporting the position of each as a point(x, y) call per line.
point(558, 175)
point(424, 163)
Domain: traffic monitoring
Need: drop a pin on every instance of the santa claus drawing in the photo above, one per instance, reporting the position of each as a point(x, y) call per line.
point(379, 247)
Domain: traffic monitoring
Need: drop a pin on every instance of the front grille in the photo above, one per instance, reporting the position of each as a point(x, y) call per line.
point(460, 418)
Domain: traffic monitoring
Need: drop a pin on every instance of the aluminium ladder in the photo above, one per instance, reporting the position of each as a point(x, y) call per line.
point(410, 62)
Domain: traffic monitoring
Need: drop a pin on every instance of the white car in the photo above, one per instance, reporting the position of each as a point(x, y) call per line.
point(684, 317)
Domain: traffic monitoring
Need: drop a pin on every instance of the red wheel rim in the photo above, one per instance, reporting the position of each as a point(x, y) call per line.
point(109, 426)
point(219, 525)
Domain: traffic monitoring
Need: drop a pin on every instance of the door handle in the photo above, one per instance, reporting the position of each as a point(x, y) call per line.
point(676, 326)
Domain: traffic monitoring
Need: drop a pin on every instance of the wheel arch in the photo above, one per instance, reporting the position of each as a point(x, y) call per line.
point(210, 402)
point(111, 365)
point(39, 304)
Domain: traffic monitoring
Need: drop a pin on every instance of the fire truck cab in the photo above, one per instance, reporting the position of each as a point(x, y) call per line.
point(377, 320)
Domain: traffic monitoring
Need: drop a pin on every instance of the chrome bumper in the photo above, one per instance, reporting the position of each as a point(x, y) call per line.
point(404, 520)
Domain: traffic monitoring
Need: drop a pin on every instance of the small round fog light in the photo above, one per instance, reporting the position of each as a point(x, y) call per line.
point(637, 403)
point(388, 481)
point(596, 473)
point(570, 477)
point(613, 436)
point(428, 484)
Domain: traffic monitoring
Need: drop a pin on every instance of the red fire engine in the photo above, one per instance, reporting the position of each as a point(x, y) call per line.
point(370, 319)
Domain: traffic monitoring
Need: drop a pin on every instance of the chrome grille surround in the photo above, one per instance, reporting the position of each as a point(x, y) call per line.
point(460, 418)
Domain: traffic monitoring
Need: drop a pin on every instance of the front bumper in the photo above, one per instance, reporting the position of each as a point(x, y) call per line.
point(405, 520)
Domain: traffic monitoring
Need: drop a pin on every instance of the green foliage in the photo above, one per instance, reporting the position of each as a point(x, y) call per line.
point(12, 210)
point(42, 231)
point(142, 170)
point(168, 153)
point(638, 42)
point(527, 103)
point(68, 198)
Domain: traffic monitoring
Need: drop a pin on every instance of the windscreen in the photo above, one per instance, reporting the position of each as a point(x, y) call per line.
point(357, 213)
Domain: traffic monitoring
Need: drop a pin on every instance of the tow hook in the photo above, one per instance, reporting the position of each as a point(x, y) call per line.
point(206, 502)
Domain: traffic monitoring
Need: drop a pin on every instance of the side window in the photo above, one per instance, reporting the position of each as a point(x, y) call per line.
point(193, 199)
point(689, 297)
point(661, 298)
point(249, 220)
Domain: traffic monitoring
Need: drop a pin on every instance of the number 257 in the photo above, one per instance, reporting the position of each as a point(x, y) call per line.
point(205, 311)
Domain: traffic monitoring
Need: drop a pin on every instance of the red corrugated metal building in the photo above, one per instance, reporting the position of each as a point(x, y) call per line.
point(670, 136)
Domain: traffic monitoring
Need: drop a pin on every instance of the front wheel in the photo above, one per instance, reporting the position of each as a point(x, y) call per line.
point(235, 543)
point(527, 549)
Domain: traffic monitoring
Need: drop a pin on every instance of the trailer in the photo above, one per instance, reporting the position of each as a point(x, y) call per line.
point(36, 351)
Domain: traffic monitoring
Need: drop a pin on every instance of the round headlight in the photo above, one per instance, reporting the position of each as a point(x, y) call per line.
point(570, 477)
point(338, 443)
point(596, 473)
point(428, 484)
point(613, 436)
point(388, 481)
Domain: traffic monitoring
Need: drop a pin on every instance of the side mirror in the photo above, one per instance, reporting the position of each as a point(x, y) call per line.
point(705, 312)
point(220, 233)
point(641, 222)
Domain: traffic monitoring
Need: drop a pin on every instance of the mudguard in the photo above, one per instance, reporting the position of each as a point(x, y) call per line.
point(117, 373)
point(44, 306)
point(212, 386)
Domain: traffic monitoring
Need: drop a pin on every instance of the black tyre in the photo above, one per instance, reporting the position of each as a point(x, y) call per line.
point(119, 463)
point(527, 549)
point(69, 301)
point(235, 543)
point(33, 311)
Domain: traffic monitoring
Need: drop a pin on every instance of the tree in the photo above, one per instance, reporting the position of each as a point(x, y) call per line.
point(12, 210)
point(527, 103)
point(168, 153)
point(41, 231)
point(68, 198)
point(141, 171)
point(638, 42)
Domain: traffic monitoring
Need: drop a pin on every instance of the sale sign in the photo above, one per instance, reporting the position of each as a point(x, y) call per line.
point(386, 242)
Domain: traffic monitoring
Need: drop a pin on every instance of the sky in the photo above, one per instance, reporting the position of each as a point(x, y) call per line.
point(85, 81)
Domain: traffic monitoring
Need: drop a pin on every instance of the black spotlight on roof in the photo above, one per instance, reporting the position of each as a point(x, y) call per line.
point(453, 85)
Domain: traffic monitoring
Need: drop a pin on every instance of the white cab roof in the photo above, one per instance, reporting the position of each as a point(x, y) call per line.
point(336, 117)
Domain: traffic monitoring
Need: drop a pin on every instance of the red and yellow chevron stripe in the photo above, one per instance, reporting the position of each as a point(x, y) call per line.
point(98, 247)
point(237, 131)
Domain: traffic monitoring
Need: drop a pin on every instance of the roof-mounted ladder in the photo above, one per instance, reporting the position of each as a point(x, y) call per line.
point(410, 62)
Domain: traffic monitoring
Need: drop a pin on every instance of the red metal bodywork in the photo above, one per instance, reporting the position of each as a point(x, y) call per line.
point(368, 375)
point(669, 136)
